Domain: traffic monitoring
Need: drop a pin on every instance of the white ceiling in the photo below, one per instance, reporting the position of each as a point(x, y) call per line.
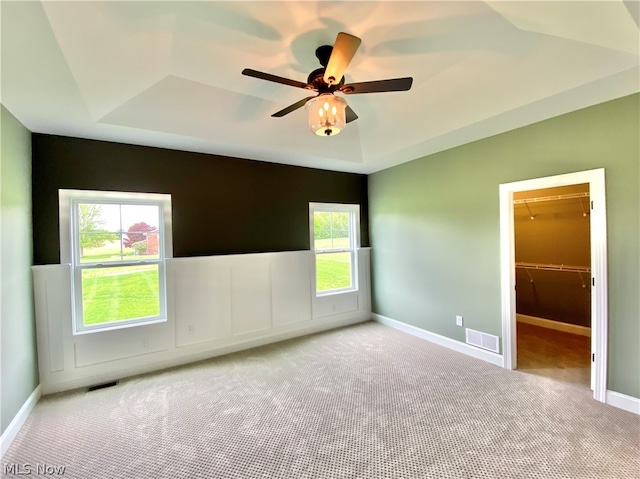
point(168, 73)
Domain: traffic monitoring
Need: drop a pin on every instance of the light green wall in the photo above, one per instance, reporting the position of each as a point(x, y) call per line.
point(434, 226)
point(19, 361)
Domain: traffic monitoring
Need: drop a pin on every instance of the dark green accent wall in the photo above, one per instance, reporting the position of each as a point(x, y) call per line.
point(220, 205)
point(435, 226)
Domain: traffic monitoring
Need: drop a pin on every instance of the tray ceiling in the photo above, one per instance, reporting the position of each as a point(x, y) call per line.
point(167, 74)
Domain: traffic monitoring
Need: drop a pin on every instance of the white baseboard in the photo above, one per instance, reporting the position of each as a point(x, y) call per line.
point(615, 399)
point(557, 325)
point(14, 426)
point(449, 343)
point(622, 401)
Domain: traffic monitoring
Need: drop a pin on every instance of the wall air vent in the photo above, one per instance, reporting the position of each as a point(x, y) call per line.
point(482, 340)
point(95, 387)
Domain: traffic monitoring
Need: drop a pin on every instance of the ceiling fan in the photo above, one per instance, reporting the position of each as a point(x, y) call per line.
point(328, 113)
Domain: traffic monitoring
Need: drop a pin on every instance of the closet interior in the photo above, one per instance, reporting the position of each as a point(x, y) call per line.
point(553, 282)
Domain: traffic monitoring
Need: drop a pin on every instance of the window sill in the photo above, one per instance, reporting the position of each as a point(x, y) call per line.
point(119, 326)
point(334, 292)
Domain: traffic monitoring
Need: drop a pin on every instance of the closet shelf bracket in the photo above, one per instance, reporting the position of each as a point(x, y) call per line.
point(553, 267)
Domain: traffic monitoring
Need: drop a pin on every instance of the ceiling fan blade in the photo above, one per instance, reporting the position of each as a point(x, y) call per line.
point(344, 49)
point(350, 114)
point(284, 81)
point(378, 86)
point(293, 107)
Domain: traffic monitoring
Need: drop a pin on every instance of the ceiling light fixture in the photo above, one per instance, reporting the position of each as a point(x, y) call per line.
point(326, 114)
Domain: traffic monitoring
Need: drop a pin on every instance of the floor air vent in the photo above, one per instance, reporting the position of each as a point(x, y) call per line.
point(483, 340)
point(95, 387)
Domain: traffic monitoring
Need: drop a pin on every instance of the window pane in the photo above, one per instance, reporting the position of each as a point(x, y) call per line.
point(98, 217)
point(322, 229)
point(99, 232)
point(340, 220)
point(141, 238)
point(331, 230)
point(119, 293)
point(113, 232)
point(333, 271)
point(341, 239)
point(101, 247)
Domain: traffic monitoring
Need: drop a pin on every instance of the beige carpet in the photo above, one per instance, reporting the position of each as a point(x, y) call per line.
point(360, 402)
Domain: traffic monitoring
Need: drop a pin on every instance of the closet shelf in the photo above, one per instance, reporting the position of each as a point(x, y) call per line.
point(540, 199)
point(553, 267)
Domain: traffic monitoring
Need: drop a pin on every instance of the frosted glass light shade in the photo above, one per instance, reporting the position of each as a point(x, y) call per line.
point(326, 114)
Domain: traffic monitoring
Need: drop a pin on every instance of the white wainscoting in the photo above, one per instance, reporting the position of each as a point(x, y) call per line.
point(215, 305)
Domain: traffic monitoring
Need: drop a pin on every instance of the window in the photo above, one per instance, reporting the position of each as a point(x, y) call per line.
point(335, 237)
point(116, 244)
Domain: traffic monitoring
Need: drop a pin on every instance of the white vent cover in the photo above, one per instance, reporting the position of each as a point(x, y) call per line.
point(482, 340)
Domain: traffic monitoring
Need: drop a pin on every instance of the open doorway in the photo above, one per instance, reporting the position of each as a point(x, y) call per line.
point(553, 276)
point(595, 278)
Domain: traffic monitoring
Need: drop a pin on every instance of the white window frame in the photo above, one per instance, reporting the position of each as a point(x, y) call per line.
point(70, 250)
point(354, 242)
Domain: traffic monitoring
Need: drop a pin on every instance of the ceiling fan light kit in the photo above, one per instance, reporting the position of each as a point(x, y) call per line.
point(327, 113)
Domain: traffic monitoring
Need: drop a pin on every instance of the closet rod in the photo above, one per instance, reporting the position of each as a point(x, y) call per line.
point(551, 198)
point(553, 267)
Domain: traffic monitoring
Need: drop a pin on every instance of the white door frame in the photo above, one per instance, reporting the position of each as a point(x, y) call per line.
point(599, 310)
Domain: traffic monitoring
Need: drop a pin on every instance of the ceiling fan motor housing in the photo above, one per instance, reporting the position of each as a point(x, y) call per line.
point(316, 79)
point(323, 53)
